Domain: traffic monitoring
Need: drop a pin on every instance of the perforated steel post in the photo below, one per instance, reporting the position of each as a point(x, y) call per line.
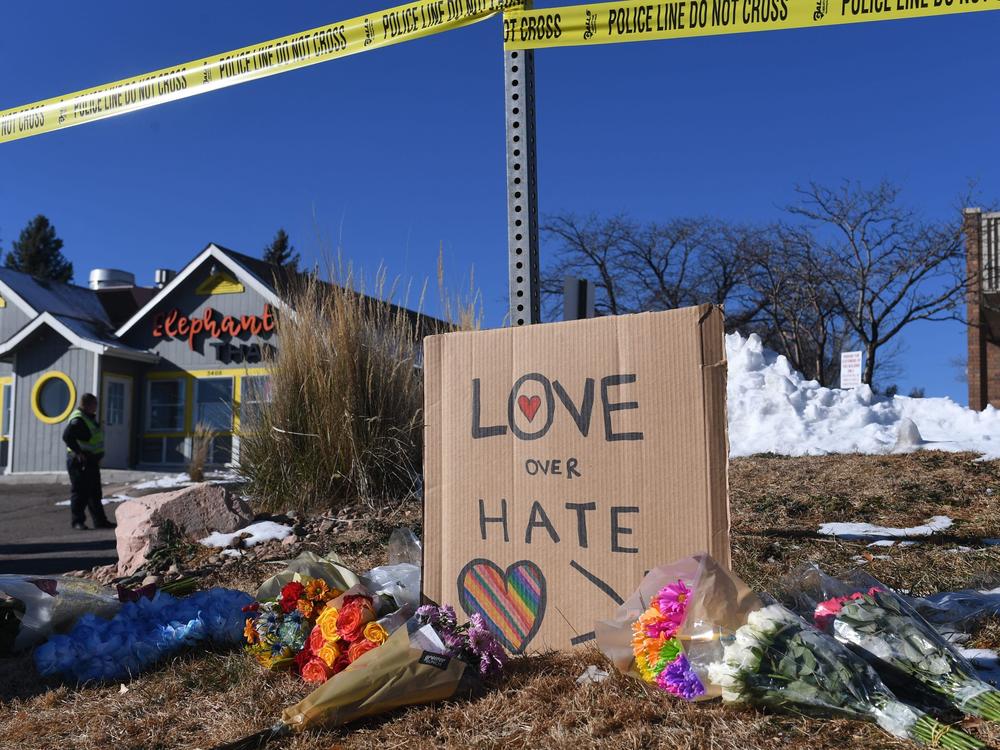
point(522, 188)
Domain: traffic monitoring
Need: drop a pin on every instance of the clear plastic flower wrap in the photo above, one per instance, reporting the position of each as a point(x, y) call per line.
point(54, 603)
point(729, 642)
point(885, 629)
point(953, 611)
point(780, 661)
point(143, 633)
point(713, 601)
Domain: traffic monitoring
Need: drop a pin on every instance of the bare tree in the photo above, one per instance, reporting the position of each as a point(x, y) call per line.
point(883, 265)
point(798, 316)
point(589, 247)
point(656, 266)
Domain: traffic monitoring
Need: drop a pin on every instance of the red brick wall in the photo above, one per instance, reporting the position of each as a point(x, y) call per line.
point(984, 353)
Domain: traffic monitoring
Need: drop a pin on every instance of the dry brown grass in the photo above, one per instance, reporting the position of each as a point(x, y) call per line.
point(202, 699)
point(344, 422)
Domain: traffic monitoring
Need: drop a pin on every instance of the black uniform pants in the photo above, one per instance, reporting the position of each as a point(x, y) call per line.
point(85, 481)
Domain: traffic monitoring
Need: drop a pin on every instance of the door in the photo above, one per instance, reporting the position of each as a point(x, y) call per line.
point(117, 423)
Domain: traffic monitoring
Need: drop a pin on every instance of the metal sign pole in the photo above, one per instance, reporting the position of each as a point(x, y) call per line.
point(522, 188)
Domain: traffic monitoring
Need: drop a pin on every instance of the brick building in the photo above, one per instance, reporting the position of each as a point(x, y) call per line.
point(982, 252)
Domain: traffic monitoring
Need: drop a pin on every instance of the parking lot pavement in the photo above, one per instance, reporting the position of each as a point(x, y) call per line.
point(36, 537)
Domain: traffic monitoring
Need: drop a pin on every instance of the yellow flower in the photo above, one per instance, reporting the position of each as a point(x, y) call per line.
point(329, 653)
point(375, 633)
point(327, 622)
point(264, 657)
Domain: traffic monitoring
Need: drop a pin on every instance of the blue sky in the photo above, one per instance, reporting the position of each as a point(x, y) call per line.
point(397, 153)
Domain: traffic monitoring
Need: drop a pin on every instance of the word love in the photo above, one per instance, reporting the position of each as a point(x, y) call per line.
point(173, 325)
point(580, 412)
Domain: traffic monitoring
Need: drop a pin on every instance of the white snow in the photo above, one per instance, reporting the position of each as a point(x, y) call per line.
point(176, 481)
point(105, 500)
point(255, 533)
point(773, 408)
point(986, 661)
point(870, 531)
point(168, 481)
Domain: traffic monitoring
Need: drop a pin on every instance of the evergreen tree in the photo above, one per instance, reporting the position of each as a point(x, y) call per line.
point(39, 252)
point(281, 253)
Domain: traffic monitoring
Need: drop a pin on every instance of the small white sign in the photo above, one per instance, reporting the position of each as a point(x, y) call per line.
point(850, 369)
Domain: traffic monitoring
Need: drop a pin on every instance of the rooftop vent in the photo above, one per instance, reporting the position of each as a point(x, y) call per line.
point(110, 278)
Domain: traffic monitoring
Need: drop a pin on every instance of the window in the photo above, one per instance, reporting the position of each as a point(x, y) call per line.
point(6, 409)
point(221, 450)
point(255, 392)
point(163, 451)
point(214, 403)
point(115, 407)
point(52, 397)
point(166, 406)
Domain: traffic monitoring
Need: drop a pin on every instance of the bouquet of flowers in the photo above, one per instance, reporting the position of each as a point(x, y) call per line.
point(341, 635)
point(317, 616)
point(426, 658)
point(659, 655)
point(278, 629)
point(472, 643)
point(886, 630)
point(142, 633)
point(671, 626)
point(696, 631)
point(777, 660)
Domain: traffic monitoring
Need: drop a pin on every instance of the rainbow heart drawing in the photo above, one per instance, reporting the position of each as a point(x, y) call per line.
point(511, 602)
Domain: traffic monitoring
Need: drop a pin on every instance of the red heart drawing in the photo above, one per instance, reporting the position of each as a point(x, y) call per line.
point(529, 406)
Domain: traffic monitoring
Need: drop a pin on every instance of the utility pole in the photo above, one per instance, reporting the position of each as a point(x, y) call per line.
point(522, 187)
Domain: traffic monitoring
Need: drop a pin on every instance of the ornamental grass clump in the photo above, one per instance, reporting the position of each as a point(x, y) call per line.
point(201, 444)
point(344, 422)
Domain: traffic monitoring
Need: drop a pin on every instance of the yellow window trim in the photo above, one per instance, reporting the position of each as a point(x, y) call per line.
point(189, 377)
point(231, 372)
point(220, 283)
point(5, 380)
point(36, 389)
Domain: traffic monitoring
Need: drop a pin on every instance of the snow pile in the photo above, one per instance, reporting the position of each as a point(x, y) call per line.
point(857, 531)
point(773, 408)
point(986, 661)
point(255, 533)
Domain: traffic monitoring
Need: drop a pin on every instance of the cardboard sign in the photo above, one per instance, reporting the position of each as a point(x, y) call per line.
point(850, 369)
point(563, 461)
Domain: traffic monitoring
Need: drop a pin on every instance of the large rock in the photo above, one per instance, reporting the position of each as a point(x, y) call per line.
point(196, 511)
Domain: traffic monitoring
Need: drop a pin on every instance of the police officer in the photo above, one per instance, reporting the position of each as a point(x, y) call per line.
point(85, 442)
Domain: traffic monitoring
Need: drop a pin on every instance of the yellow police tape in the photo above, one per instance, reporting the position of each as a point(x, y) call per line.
point(339, 39)
point(638, 20)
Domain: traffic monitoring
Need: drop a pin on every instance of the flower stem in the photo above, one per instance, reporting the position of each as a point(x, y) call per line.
point(935, 734)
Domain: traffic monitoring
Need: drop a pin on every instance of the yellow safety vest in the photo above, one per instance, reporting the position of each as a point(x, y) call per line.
point(93, 445)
